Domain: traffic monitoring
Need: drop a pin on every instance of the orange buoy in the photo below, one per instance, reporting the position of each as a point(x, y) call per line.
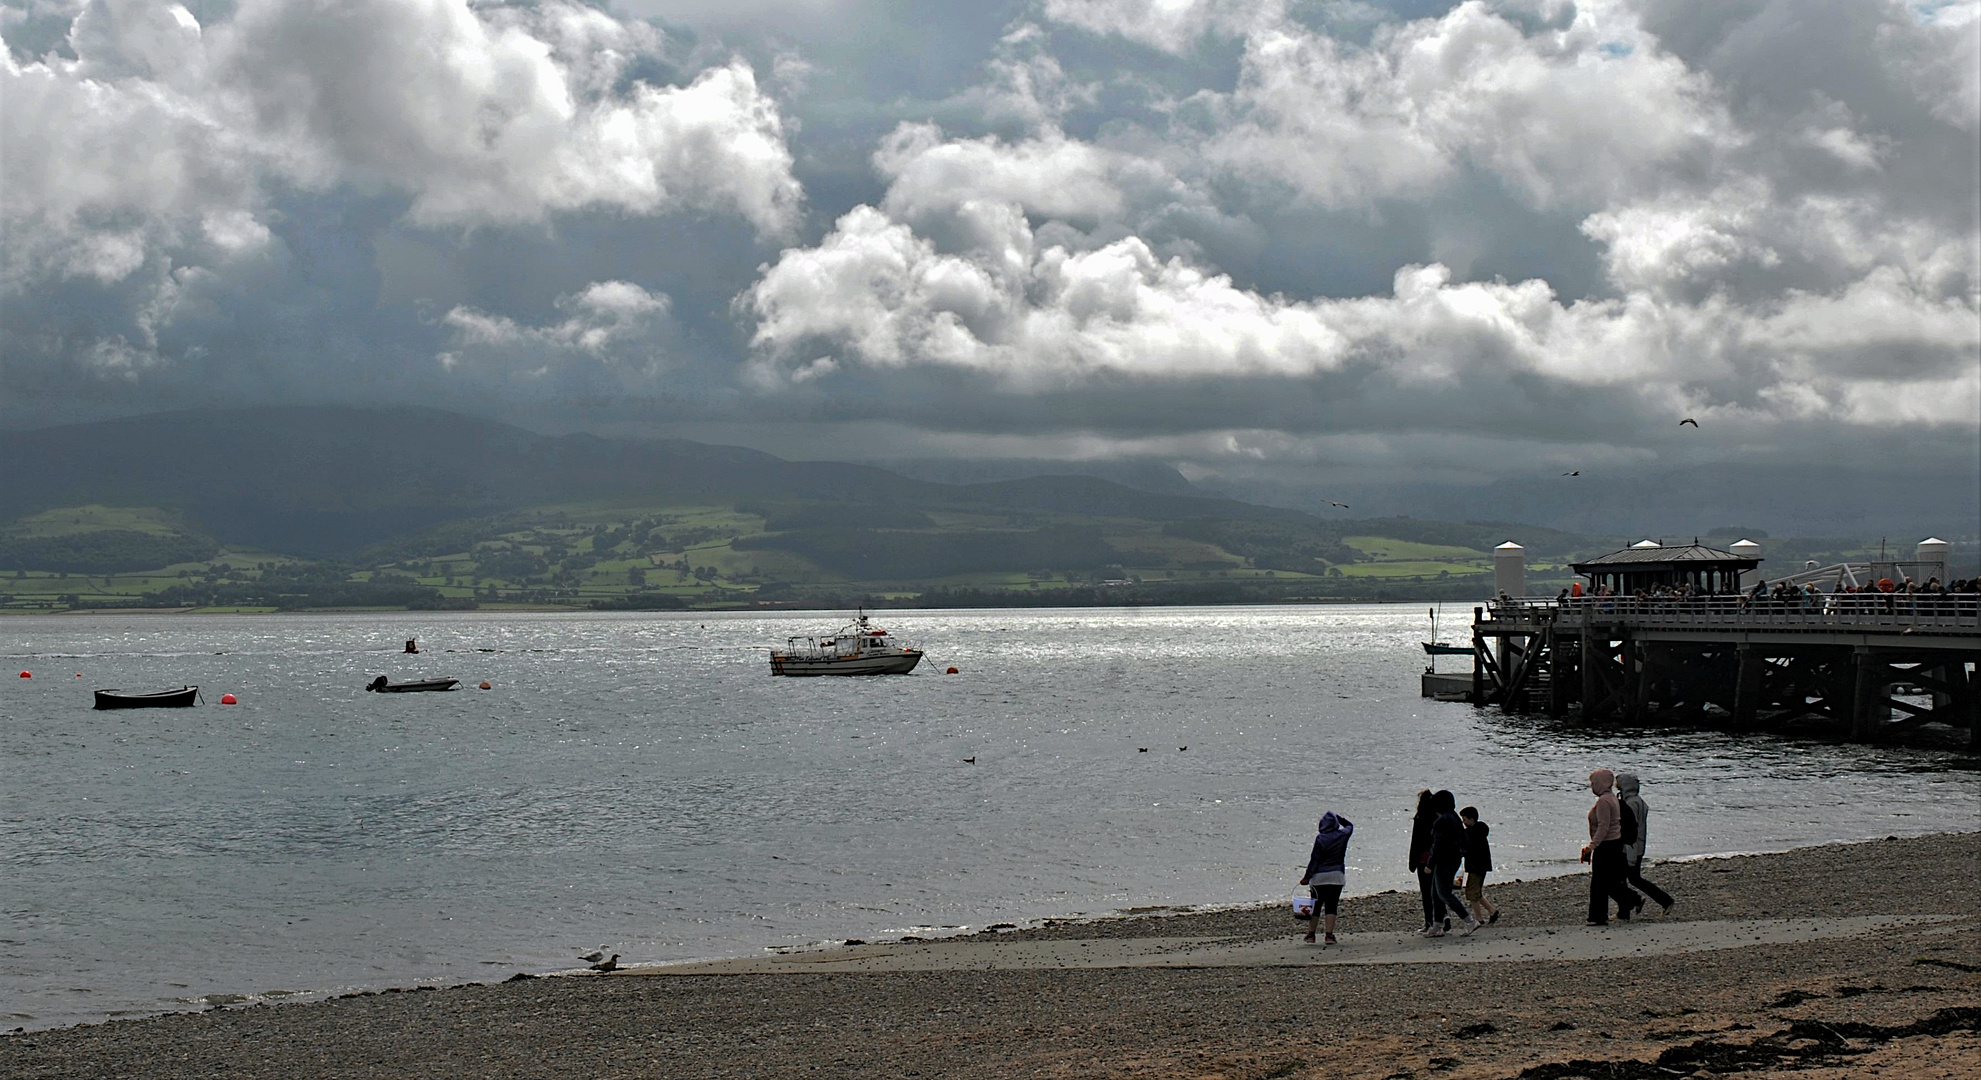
point(951, 671)
point(229, 699)
point(27, 674)
point(485, 686)
point(79, 674)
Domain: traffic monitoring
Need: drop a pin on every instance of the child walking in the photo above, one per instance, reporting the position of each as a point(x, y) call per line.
point(1327, 871)
point(1478, 862)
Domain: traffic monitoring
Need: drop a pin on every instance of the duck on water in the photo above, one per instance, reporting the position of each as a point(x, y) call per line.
point(860, 648)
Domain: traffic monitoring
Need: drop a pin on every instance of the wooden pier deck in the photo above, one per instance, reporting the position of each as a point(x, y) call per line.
point(1872, 666)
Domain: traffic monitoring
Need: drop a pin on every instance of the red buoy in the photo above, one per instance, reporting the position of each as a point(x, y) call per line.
point(951, 671)
point(485, 686)
point(229, 699)
point(27, 674)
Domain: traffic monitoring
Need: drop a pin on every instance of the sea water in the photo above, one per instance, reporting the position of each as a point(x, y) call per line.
point(639, 783)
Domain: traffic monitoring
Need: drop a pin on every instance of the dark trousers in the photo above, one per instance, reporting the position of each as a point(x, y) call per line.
point(1607, 873)
point(1635, 876)
point(1441, 879)
point(1427, 889)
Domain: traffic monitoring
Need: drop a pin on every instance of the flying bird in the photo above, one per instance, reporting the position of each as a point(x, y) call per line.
point(593, 957)
point(1331, 502)
point(1688, 420)
point(607, 965)
point(1577, 472)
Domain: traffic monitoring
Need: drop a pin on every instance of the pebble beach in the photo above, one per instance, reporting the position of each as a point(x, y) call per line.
point(1832, 961)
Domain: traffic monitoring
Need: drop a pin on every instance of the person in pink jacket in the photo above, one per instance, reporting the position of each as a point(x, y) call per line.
point(1604, 854)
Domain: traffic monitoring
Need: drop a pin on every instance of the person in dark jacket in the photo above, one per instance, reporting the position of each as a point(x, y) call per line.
point(1327, 871)
point(1420, 860)
point(1478, 863)
point(1447, 855)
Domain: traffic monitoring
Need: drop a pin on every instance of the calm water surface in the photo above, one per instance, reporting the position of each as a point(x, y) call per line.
point(639, 783)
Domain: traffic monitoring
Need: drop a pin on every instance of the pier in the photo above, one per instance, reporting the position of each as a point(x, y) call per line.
point(1869, 665)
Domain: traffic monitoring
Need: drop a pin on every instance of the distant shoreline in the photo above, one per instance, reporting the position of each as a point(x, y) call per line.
point(1871, 938)
point(768, 608)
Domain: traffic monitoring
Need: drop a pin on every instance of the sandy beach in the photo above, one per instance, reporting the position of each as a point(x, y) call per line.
point(1843, 960)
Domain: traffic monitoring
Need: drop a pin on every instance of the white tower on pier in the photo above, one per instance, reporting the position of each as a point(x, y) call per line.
point(1746, 549)
point(1934, 552)
point(1510, 569)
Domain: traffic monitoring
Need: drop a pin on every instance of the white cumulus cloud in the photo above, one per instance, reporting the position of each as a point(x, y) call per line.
point(151, 131)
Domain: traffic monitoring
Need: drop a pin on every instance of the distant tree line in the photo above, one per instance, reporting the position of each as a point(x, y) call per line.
point(878, 555)
point(107, 551)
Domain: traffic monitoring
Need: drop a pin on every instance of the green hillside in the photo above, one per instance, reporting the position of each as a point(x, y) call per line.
point(618, 556)
point(300, 508)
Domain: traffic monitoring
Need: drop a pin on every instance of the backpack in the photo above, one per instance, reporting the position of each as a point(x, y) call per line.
point(1629, 823)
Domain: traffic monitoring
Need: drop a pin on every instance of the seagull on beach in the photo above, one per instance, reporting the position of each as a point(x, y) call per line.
point(593, 957)
point(607, 965)
point(1688, 420)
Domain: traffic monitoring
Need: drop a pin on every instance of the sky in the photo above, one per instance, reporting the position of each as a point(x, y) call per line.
point(1291, 248)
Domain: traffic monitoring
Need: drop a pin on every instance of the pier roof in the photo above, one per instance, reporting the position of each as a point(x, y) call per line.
point(1692, 554)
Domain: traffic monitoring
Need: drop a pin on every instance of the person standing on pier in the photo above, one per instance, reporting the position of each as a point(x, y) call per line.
point(1604, 854)
point(1420, 861)
point(1327, 871)
point(1633, 848)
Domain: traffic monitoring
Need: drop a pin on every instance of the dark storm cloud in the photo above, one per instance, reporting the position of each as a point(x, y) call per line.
point(1266, 239)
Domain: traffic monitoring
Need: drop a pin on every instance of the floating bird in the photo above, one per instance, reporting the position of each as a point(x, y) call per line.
point(1141, 749)
point(593, 957)
point(1688, 420)
point(1577, 472)
point(607, 965)
point(1180, 749)
point(971, 760)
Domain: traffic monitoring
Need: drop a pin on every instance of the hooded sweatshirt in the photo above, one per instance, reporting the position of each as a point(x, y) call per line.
point(1447, 836)
point(1605, 818)
point(1626, 792)
point(1328, 863)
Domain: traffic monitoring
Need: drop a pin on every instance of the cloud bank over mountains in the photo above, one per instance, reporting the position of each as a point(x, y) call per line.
point(1297, 242)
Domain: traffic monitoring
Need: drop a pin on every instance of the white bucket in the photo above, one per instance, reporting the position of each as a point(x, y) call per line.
point(1303, 906)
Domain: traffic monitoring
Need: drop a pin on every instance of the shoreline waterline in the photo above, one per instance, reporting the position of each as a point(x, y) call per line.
point(922, 935)
point(1874, 939)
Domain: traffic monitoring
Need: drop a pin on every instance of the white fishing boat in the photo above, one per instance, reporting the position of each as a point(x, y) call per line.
point(860, 648)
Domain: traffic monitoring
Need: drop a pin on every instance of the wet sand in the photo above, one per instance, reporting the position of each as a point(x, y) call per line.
point(1845, 960)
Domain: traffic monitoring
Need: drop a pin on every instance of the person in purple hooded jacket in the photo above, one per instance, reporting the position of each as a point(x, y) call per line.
point(1327, 871)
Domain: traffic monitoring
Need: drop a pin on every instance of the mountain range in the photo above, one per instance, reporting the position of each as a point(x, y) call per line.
point(344, 506)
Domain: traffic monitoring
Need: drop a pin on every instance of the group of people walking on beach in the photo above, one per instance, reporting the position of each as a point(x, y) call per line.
point(1445, 840)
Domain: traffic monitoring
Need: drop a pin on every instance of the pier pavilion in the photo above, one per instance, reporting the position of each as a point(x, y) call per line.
point(1645, 566)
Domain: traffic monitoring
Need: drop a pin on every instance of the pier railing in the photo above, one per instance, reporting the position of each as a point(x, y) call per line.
point(1842, 612)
